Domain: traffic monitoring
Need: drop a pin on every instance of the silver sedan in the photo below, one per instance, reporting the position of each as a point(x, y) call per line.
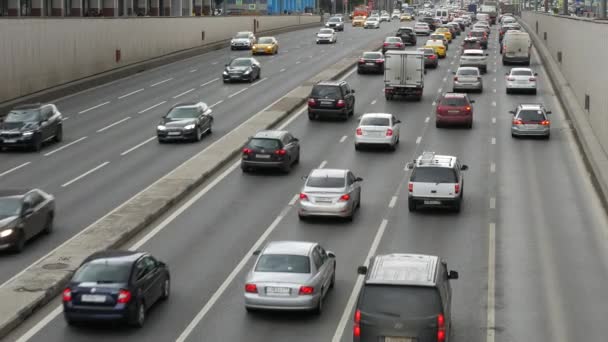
point(330, 192)
point(290, 275)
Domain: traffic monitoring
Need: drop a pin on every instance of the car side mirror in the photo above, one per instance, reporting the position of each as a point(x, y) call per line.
point(512, 112)
point(454, 72)
point(472, 101)
point(304, 177)
point(397, 121)
point(453, 275)
point(362, 270)
point(331, 254)
point(358, 179)
point(352, 91)
point(258, 252)
point(409, 166)
point(548, 112)
point(464, 167)
point(535, 74)
point(506, 74)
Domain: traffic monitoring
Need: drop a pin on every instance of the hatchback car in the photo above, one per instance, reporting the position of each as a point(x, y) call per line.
point(336, 23)
point(429, 21)
point(24, 214)
point(242, 69)
point(392, 43)
point(481, 35)
point(185, 121)
point(521, 79)
point(371, 61)
point(31, 126)
point(422, 29)
point(290, 275)
point(531, 120)
point(331, 98)
point(454, 109)
point(116, 286)
point(243, 40)
point(271, 149)
point(266, 45)
point(406, 17)
point(327, 35)
point(385, 17)
point(430, 58)
point(455, 28)
point(377, 129)
point(466, 79)
point(330, 192)
point(407, 35)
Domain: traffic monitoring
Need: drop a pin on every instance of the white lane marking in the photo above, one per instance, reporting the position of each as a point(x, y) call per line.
point(238, 92)
point(161, 82)
point(114, 124)
point(294, 199)
point(298, 62)
point(260, 81)
point(490, 319)
point(95, 107)
point(346, 315)
point(493, 90)
point(85, 174)
point(492, 203)
point(418, 140)
point(65, 118)
point(209, 82)
point(137, 146)
point(14, 169)
point(147, 109)
point(493, 141)
point(41, 324)
point(493, 103)
point(439, 90)
point(373, 102)
point(64, 146)
point(392, 202)
point(445, 79)
point(214, 63)
point(193, 70)
point(131, 93)
point(492, 167)
point(322, 165)
point(343, 138)
point(282, 70)
point(494, 80)
point(217, 103)
point(428, 118)
point(184, 93)
point(493, 120)
point(434, 103)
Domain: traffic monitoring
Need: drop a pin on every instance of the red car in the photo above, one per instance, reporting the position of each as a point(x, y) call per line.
point(454, 109)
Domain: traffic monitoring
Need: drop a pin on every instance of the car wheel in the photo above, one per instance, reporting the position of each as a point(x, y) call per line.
point(359, 71)
point(319, 309)
point(534, 91)
point(513, 135)
point(161, 141)
point(20, 244)
point(458, 205)
point(297, 161)
point(548, 136)
point(437, 124)
point(37, 145)
point(198, 134)
point(470, 125)
point(287, 167)
point(245, 169)
point(59, 134)
point(259, 74)
point(332, 284)
point(411, 205)
point(70, 321)
point(357, 147)
point(508, 91)
point(48, 225)
point(251, 78)
point(392, 147)
point(311, 116)
point(140, 316)
point(350, 217)
point(166, 290)
point(388, 97)
point(301, 217)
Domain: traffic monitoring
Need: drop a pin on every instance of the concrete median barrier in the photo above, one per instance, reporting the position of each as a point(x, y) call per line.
point(44, 280)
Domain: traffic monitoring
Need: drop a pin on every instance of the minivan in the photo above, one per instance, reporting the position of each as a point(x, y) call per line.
point(516, 48)
point(443, 14)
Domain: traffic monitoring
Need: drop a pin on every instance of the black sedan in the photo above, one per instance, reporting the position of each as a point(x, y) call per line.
point(271, 149)
point(116, 286)
point(431, 60)
point(30, 126)
point(186, 121)
point(371, 61)
point(407, 35)
point(242, 69)
point(23, 215)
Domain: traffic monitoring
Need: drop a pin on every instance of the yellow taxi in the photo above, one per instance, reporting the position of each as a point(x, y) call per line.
point(406, 17)
point(446, 32)
point(437, 46)
point(265, 45)
point(358, 21)
point(440, 36)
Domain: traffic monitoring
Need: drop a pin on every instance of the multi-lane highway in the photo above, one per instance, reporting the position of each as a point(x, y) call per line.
point(530, 242)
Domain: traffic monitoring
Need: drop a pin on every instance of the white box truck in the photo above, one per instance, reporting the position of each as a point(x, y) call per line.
point(403, 74)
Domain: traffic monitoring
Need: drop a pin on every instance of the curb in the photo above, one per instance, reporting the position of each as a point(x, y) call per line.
point(592, 152)
point(45, 279)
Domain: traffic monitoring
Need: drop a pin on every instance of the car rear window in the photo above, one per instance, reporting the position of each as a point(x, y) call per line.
point(476, 33)
point(372, 55)
point(393, 40)
point(283, 263)
point(405, 30)
point(374, 121)
point(326, 92)
point(10, 206)
point(521, 73)
point(531, 115)
point(474, 54)
point(325, 182)
point(103, 272)
point(264, 143)
point(400, 301)
point(241, 62)
point(434, 175)
point(454, 101)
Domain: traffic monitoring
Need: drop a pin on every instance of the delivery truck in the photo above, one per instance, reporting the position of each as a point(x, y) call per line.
point(403, 74)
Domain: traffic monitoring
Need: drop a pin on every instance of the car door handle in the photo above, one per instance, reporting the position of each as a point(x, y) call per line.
point(433, 191)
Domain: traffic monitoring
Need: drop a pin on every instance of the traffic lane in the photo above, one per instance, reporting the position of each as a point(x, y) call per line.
point(545, 223)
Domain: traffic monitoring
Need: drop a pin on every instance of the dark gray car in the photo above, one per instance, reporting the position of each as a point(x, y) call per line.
point(30, 126)
point(331, 98)
point(242, 69)
point(271, 149)
point(186, 121)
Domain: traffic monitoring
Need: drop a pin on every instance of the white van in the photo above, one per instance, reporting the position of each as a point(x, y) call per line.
point(443, 14)
point(483, 17)
point(517, 47)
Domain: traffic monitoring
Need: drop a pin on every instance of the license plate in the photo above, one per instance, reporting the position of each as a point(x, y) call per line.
point(453, 111)
point(522, 81)
point(235, 76)
point(323, 200)
point(93, 298)
point(373, 134)
point(10, 141)
point(175, 133)
point(398, 339)
point(326, 103)
point(278, 291)
point(432, 202)
point(262, 156)
point(369, 63)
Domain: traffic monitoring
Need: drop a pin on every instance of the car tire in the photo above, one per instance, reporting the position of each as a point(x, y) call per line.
point(359, 71)
point(411, 205)
point(458, 205)
point(198, 134)
point(508, 91)
point(251, 79)
point(48, 225)
point(311, 116)
point(70, 321)
point(470, 125)
point(548, 136)
point(332, 284)
point(20, 244)
point(161, 141)
point(319, 309)
point(357, 147)
point(392, 147)
point(287, 167)
point(245, 168)
point(301, 217)
point(139, 318)
point(388, 97)
point(59, 134)
point(166, 289)
point(37, 145)
point(534, 92)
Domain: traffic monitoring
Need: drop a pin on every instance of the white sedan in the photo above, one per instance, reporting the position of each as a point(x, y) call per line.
point(327, 35)
point(422, 29)
point(372, 22)
point(385, 17)
point(379, 129)
point(521, 79)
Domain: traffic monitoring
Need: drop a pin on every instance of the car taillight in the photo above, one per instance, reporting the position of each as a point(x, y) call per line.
point(379, 61)
point(306, 290)
point(399, 44)
point(345, 197)
point(341, 103)
point(124, 296)
point(456, 188)
point(532, 79)
point(280, 152)
point(432, 57)
point(312, 102)
point(518, 122)
point(67, 295)
point(440, 328)
point(359, 131)
point(357, 326)
point(389, 132)
point(510, 78)
point(303, 196)
point(385, 44)
point(545, 122)
point(251, 288)
point(410, 187)
point(361, 60)
point(247, 151)
point(467, 108)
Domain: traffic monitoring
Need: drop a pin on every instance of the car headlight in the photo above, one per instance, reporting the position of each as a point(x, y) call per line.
point(27, 134)
point(6, 233)
point(161, 128)
point(225, 73)
point(189, 127)
point(247, 72)
point(232, 42)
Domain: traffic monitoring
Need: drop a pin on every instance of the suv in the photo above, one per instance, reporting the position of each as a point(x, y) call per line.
point(331, 98)
point(454, 108)
point(436, 180)
point(243, 40)
point(271, 149)
point(530, 120)
point(404, 297)
point(336, 23)
point(30, 126)
point(407, 35)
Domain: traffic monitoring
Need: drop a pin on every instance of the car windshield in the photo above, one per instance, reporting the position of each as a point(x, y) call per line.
point(23, 116)
point(334, 20)
point(467, 72)
point(372, 19)
point(400, 301)
point(10, 206)
point(454, 101)
point(283, 263)
point(477, 33)
point(433, 175)
point(325, 182)
point(422, 25)
point(265, 41)
point(375, 121)
point(372, 55)
point(264, 144)
point(326, 92)
point(241, 62)
point(393, 40)
point(104, 272)
point(531, 115)
point(521, 73)
point(183, 113)
point(326, 31)
point(437, 36)
point(242, 35)
point(404, 30)
point(359, 18)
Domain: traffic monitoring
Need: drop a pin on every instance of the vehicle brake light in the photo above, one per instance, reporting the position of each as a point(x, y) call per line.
point(399, 44)
point(251, 288)
point(379, 61)
point(303, 196)
point(389, 132)
point(124, 296)
point(518, 122)
point(67, 295)
point(345, 197)
point(440, 328)
point(410, 187)
point(312, 102)
point(545, 122)
point(432, 57)
point(510, 78)
point(341, 103)
point(356, 326)
point(306, 290)
point(385, 44)
point(280, 152)
point(247, 151)
point(359, 131)
point(532, 79)
point(456, 188)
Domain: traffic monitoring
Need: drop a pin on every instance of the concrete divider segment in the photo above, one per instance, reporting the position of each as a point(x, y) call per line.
point(44, 280)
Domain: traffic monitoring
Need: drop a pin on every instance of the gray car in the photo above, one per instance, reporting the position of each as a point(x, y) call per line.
point(330, 192)
point(290, 275)
point(467, 78)
point(530, 120)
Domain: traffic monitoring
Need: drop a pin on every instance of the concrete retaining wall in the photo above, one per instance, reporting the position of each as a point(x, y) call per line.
point(36, 54)
point(583, 45)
